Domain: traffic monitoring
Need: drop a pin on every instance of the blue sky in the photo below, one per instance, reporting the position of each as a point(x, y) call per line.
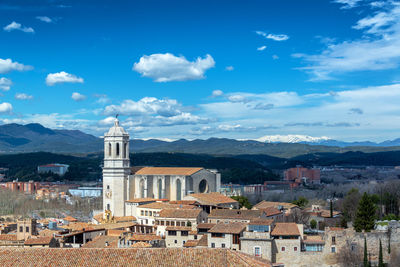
point(200, 69)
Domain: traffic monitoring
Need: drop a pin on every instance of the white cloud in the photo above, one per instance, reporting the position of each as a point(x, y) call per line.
point(23, 96)
point(44, 19)
point(167, 67)
point(17, 26)
point(62, 77)
point(78, 97)
point(275, 37)
point(217, 93)
point(347, 4)
point(261, 48)
point(366, 54)
point(5, 84)
point(229, 68)
point(5, 108)
point(7, 65)
point(107, 121)
point(237, 98)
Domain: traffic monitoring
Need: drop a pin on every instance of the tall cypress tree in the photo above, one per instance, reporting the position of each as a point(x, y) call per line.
point(365, 253)
point(365, 217)
point(380, 264)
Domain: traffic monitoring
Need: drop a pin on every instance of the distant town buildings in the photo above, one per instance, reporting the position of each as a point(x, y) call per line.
point(86, 191)
point(56, 168)
point(303, 175)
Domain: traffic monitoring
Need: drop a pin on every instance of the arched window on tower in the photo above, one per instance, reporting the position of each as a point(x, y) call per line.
point(141, 187)
point(117, 150)
point(159, 189)
point(178, 189)
point(125, 146)
point(109, 149)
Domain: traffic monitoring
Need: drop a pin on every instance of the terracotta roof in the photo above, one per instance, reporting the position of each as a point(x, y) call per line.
point(261, 221)
point(178, 228)
point(113, 232)
point(336, 228)
point(235, 214)
point(266, 204)
point(109, 226)
point(48, 232)
point(228, 228)
point(144, 237)
point(139, 200)
point(184, 202)
point(214, 198)
point(313, 239)
point(125, 219)
point(44, 240)
point(141, 244)
point(167, 171)
point(161, 205)
point(101, 241)
point(180, 213)
point(8, 237)
point(70, 219)
point(285, 229)
point(77, 226)
point(203, 241)
point(205, 225)
point(118, 257)
point(191, 243)
point(271, 211)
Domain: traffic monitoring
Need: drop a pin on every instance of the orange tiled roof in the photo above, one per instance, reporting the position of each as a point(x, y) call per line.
point(141, 244)
point(144, 237)
point(178, 228)
point(285, 229)
point(203, 241)
point(191, 243)
point(125, 219)
point(214, 198)
point(139, 200)
point(205, 225)
point(98, 217)
point(180, 213)
point(266, 204)
point(70, 219)
point(48, 232)
point(271, 211)
point(8, 237)
point(113, 232)
point(336, 228)
point(101, 241)
point(162, 205)
point(261, 221)
point(167, 171)
point(77, 226)
point(44, 240)
point(313, 239)
point(228, 228)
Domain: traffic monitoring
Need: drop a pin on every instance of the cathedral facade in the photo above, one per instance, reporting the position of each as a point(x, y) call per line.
point(122, 183)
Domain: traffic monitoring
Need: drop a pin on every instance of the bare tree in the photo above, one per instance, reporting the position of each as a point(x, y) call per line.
point(299, 216)
point(349, 255)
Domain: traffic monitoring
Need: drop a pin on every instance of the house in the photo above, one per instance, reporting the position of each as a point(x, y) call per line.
point(43, 241)
point(131, 205)
point(226, 235)
point(210, 201)
point(234, 215)
point(102, 241)
point(257, 240)
point(287, 238)
point(179, 217)
point(130, 239)
point(177, 236)
point(78, 238)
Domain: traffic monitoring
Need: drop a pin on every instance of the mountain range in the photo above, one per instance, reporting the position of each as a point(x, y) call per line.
point(34, 137)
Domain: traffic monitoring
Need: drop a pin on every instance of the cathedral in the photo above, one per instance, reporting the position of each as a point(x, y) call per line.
point(122, 183)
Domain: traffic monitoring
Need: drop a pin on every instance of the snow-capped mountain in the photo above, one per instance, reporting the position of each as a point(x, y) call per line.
point(292, 138)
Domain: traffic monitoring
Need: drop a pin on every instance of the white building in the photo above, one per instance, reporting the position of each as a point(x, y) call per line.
point(122, 183)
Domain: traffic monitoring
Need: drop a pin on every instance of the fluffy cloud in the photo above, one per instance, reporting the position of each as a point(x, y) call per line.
point(5, 84)
point(167, 67)
point(5, 108)
point(107, 121)
point(261, 48)
point(275, 37)
point(347, 4)
point(22, 96)
point(217, 93)
point(356, 111)
point(7, 65)
point(78, 97)
point(62, 77)
point(229, 68)
point(370, 53)
point(237, 98)
point(17, 26)
point(44, 19)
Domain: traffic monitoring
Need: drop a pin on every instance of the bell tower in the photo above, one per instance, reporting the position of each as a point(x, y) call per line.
point(116, 169)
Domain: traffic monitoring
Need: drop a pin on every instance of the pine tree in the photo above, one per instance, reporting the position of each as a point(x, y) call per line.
point(365, 217)
point(365, 253)
point(380, 264)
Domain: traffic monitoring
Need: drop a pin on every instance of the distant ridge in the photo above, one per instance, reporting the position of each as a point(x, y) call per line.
point(34, 137)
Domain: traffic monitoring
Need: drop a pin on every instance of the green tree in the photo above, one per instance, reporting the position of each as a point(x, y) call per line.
point(313, 224)
point(243, 201)
point(350, 203)
point(365, 217)
point(380, 264)
point(365, 262)
point(301, 202)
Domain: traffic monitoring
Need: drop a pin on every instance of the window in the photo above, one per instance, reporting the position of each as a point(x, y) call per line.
point(108, 187)
point(167, 223)
point(178, 224)
point(213, 245)
point(157, 222)
point(223, 245)
point(184, 233)
point(333, 239)
point(333, 249)
point(236, 239)
point(283, 248)
point(195, 237)
point(176, 241)
point(217, 235)
point(27, 229)
point(184, 242)
point(150, 213)
point(142, 212)
point(162, 222)
point(117, 149)
point(146, 213)
point(108, 207)
point(295, 248)
point(257, 251)
point(109, 149)
point(125, 148)
point(172, 233)
point(21, 229)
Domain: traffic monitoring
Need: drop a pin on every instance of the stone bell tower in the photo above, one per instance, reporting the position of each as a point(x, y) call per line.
point(116, 170)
